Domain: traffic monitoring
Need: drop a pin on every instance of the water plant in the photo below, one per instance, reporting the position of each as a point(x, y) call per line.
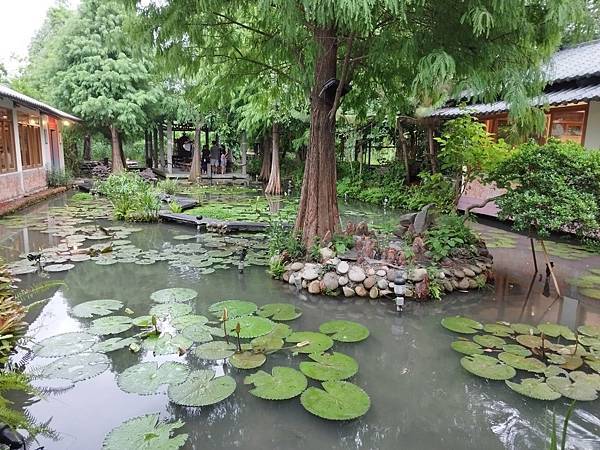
point(168, 186)
point(175, 207)
point(132, 198)
point(146, 432)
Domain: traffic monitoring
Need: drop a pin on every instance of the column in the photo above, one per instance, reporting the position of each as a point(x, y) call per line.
point(19, 161)
point(243, 152)
point(169, 147)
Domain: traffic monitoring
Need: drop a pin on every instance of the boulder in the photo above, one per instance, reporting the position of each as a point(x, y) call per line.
point(370, 271)
point(348, 291)
point(458, 273)
point(304, 284)
point(385, 292)
point(472, 284)
point(310, 273)
point(343, 281)
point(361, 291)
point(381, 273)
point(464, 284)
point(382, 283)
point(468, 272)
point(407, 219)
point(326, 253)
point(374, 292)
point(292, 279)
point(400, 231)
point(391, 275)
point(423, 219)
point(369, 282)
point(343, 267)
point(418, 274)
point(356, 274)
point(286, 275)
point(296, 266)
point(314, 287)
point(475, 268)
point(330, 281)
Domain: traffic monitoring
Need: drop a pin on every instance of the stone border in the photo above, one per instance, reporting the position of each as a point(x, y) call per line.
point(30, 200)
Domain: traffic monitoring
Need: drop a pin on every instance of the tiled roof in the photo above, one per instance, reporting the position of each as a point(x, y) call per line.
point(580, 61)
point(24, 100)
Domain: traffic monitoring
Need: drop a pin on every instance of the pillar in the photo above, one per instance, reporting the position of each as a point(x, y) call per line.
point(169, 147)
point(243, 152)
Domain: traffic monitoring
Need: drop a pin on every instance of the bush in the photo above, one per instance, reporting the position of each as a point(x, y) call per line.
point(283, 239)
point(168, 186)
point(253, 166)
point(449, 232)
point(81, 197)
point(132, 198)
point(175, 207)
point(56, 178)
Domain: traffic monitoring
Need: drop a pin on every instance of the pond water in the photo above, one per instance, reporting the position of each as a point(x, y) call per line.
point(421, 398)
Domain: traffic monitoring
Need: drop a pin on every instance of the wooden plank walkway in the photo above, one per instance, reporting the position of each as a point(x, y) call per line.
point(207, 224)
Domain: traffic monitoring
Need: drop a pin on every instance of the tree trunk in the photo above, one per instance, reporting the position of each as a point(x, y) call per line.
point(170, 147)
point(161, 146)
point(122, 151)
point(154, 146)
point(195, 169)
point(318, 214)
point(150, 150)
point(402, 146)
point(432, 155)
point(274, 185)
point(265, 169)
point(117, 162)
point(87, 148)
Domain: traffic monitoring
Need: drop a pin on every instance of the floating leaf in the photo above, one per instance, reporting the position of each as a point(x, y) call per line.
point(96, 308)
point(317, 342)
point(113, 344)
point(594, 364)
point(338, 400)
point(281, 330)
point(589, 341)
point(522, 363)
point(467, 347)
point(145, 378)
point(173, 295)
point(523, 328)
point(235, 308)
point(554, 371)
point(65, 344)
point(329, 366)
point(142, 321)
point(282, 384)
point(250, 326)
point(247, 360)
point(181, 322)
point(201, 388)
point(197, 333)
point(534, 388)
point(279, 311)
point(590, 330)
point(267, 343)
point(575, 391)
point(572, 362)
point(529, 340)
point(487, 367)
point(593, 379)
point(516, 349)
point(488, 341)
point(460, 324)
point(166, 344)
point(77, 367)
point(145, 433)
point(555, 330)
point(111, 325)
point(58, 267)
point(214, 350)
point(555, 359)
point(170, 309)
point(498, 329)
point(345, 330)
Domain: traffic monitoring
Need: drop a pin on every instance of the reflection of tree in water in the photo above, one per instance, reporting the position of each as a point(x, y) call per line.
point(275, 203)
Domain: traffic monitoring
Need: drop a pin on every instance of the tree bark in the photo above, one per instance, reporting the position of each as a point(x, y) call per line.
point(161, 146)
point(318, 214)
point(154, 146)
point(122, 151)
point(432, 154)
point(195, 169)
point(265, 169)
point(117, 162)
point(170, 147)
point(403, 148)
point(87, 148)
point(274, 184)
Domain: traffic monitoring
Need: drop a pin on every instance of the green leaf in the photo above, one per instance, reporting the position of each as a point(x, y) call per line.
point(529, 341)
point(580, 391)
point(96, 308)
point(166, 344)
point(201, 388)
point(197, 332)
point(110, 325)
point(593, 379)
point(279, 311)
point(572, 362)
point(466, 347)
point(267, 343)
point(281, 330)
point(590, 330)
point(250, 326)
point(142, 321)
point(593, 363)
point(282, 384)
point(214, 350)
point(170, 309)
point(516, 349)
point(519, 362)
point(76, 367)
point(113, 344)
point(345, 330)
point(498, 329)
point(523, 328)
point(329, 366)
point(338, 400)
point(487, 367)
point(534, 388)
point(489, 341)
point(173, 295)
point(145, 378)
point(247, 360)
point(555, 330)
point(180, 322)
point(460, 324)
point(317, 342)
point(235, 308)
point(145, 433)
point(65, 344)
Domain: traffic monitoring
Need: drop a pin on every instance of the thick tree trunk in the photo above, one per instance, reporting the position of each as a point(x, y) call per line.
point(265, 168)
point(432, 153)
point(154, 146)
point(161, 146)
point(87, 148)
point(318, 214)
point(170, 147)
point(274, 185)
point(402, 148)
point(117, 162)
point(122, 151)
point(195, 169)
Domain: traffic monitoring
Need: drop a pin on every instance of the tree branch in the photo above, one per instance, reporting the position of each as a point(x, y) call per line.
point(344, 76)
point(468, 209)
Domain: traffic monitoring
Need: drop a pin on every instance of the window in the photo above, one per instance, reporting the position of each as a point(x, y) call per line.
point(30, 140)
point(8, 160)
point(568, 124)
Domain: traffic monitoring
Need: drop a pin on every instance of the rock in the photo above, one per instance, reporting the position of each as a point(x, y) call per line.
point(286, 276)
point(391, 275)
point(454, 283)
point(382, 283)
point(472, 284)
point(326, 253)
point(441, 275)
point(369, 282)
point(458, 273)
point(310, 273)
point(481, 265)
point(482, 251)
point(296, 266)
point(468, 272)
point(463, 284)
point(314, 287)
point(385, 292)
point(356, 274)
point(423, 219)
point(360, 290)
point(330, 281)
point(448, 273)
point(407, 219)
point(343, 281)
point(409, 293)
point(400, 231)
point(449, 287)
point(418, 274)
point(292, 279)
point(374, 292)
point(370, 271)
point(343, 267)
point(381, 273)
point(475, 268)
point(304, 284)
point(348, 291)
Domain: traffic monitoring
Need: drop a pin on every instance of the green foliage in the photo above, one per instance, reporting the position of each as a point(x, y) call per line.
point(553, 436)
point(57, 178)
point(283, 239)
point(235, 308)
point(132, 198)
point(145, 378)
point(338, 400)
point(96, 308)
point(65, 344)
point(173, 295)
point(329, 366)
point(77, 367)
point(447, 233)
point(550, 187)
point(12, 315)
point(342, 243)
point(168, 186)
point(250, 326)
point(344, 330)
point(314, 252)
point(81, 197)
point(144, 433)
point(279, 311)
point(283, 384)
point(202, 388)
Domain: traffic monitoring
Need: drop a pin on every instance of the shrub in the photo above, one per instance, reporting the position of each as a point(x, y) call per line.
point(175, 207)
point(449, 232)
point(283, 239)
point(132, 198)
point(81, 197)
point(56, 178)
point(168, 186)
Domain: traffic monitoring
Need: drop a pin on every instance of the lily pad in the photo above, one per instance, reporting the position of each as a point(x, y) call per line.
point(214, 350)
point(590, 330)
point(593, 363)
point(281, 330)
point(170, 309)
point(250, 326)
point(316, 342)
point(516, 349)
point(201, 388)
point(113, 344)
point(96, 308)
point(58, 267)
point(498, 329)
point(235, 308)
point(534, 388)
point(555, 330)
point(197, 333)
point(76, 367)
point(345, 330)
point(529, 341)
point(145, 378)
point(173, 295)
point(523, 328)
point(488, 341)
point(580, 391)
point(572, 362)
point(329, 366)
point(267, 343)
point(460, 324)
point(522, 363)
point(279, 311)
point(247, 360)
point(110, 325)
point(467, 347)
point(145, 433)
point(142, 321)
point(65, 344)
point(487, 367)
point(338, 400)
point(167, 344)
point(181, 322)
point(593, 379)
point(282, 384)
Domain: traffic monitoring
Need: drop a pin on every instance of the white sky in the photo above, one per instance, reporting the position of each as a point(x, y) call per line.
point(20, 20)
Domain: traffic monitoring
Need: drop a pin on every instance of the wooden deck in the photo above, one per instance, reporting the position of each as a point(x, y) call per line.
point(178, 174)
point(207, 224)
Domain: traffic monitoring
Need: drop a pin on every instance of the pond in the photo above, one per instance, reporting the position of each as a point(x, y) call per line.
point(420, 396)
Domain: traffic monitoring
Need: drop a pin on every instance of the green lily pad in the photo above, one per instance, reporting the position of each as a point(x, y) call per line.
point(235, 308)
point(197, 333)
point(282, 384)
point(317, 342)
point(529, 341)
point(487, 367)
point(498, 329)
point(555, 359)
point(579, 391)
point(590, 330)
point(113, 344)
point(572, 362)
point(338, 400)
point(96, 308)
point(215, 350)
point(170, 309)
point(250, 326)
point(145, 433)
point(173, 295)
point(329, 366)
point(460, 324)
point(58, 267)
point(142, 321)
point(65, 344)
point(522, 363)
point(247, 360)
point(555, 330)
point(488, 341)
point(145, 378)
point(344, 330)
point(201, 388)
point(467, 347)
point(593, 379)
point(181, 322)
point(593, 363)
point(166, 344)
point(588, 341)
point(281, 330)
point(76, 367)
point(523, 328)
point(267, 343)
point(516, 349)
point(534, 388)
point(554, 371)
point(110, 325)
point(279, 311)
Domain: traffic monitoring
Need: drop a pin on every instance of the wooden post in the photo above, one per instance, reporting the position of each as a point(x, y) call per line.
point(535, 264)
point(161, 146)
point(154, 146)
point(401, 147)
point(195, 169)
point(432, 155)
point(169, 147)
point(550, 268)
point(244, 151)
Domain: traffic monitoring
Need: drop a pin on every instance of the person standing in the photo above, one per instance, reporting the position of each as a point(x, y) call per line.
point(215, 155)
point(223, 161)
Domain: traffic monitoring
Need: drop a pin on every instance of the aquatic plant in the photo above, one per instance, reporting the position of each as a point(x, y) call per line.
point(279, 311)
point(132, 198)
point(329, 366)
point(283, 383)
point(173, 295)
point(78, 367)
point(81, 197)
point(344, 330)
point(168, 186)
point(96, 308)
point(146, 432)
point(202, 388)
point(175, 207)
point(338, 400)
point(145, 378)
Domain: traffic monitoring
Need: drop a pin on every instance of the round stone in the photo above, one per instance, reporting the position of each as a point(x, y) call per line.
point(343, 267)
point(356, 274)
point(418, 274)
point(361, 291)
point(310, 274)
point(343, 281)
point(348, 291)
point(314, 287)
point(330, 281)
point(369, 282)
point(374, 292)
point(296, 266)
point(382, 283)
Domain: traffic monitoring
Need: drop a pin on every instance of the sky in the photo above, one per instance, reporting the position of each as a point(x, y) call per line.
point(20, 20)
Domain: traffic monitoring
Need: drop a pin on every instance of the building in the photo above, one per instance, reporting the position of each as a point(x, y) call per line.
point(30, 143)
point(572, 97)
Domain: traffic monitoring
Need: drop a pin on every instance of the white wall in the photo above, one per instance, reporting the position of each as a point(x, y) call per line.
point(592, 131)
